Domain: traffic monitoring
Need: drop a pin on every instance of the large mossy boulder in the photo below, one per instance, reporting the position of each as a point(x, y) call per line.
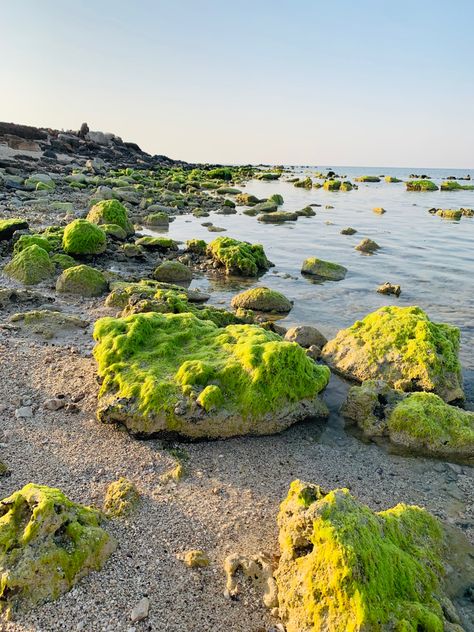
point(323, 269)
point(30, 266)
point(29, 240)
point(344, 567)
point(111, 212)
point(82, 280)
point(176, 374)
point(9, 226)
point(47, 543)
point(421, 422)
point(81, 237)
point(262, 299)
point(421, 185)
point(238, 257)
point(173, 272)
point(402, 346)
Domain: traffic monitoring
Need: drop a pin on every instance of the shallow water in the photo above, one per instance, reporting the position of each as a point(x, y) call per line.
point(431, 258)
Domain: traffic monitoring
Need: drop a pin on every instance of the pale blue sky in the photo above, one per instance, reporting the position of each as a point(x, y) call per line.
point(346, 82)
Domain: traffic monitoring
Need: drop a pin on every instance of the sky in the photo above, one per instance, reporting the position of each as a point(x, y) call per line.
point(347, 82)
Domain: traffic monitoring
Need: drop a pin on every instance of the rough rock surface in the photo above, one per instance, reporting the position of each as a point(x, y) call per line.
point(262, 299)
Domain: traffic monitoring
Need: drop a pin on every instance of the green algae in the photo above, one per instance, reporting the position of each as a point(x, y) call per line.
point(63, 262)
point(392, 179)
point(332, 185)
point(81, 237)
point(367, 179)
point(28, 240)
point(197, 246)
point(238, 257)
point(47, 543)
point(81, 280)
point(421, 185)
point(115, 231)
point(323, 269)
point(172, 272)
point(345, 568)
point(161, 244)
point(9, 226)
point(121, 498)
point(452, 185)
point(110, 212)
point(262, 299)
point(157, 219)
point(30, 266)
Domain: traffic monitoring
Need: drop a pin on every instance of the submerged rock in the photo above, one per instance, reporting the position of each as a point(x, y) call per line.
point(30, 266)
point(324, 269)
point(367, 179)
point(391, 179)
point(82, 280)
point(238, 257)
point(47, 543)
point(402, 346)
point(368, 246)
point(83, 238)
point(379, 210)
point(449, 213)
point(344, 567)
point(389, 288)
point(348, 231)
point(246, 199)
point(262, 299)
point(174, 373)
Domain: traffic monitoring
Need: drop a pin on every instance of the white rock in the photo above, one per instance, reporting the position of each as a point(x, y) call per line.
point(25, 412)
point(140, 611)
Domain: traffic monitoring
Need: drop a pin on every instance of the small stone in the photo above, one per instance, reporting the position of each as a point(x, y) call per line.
point(389, 288)
point(54, 404)
point(24, 412)
point(140, 611)
point(195, 558)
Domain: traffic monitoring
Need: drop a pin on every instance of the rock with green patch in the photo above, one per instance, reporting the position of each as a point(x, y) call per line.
point(391, 179)
point(348, 231)
point(9, 226)
point(449, 213)
point(228, 191)
point(47, 544)
point(176, 374)
point(30, 266)
point(246, 199)
point(157, 219)
point(63, 262)
point(420, 421)
point(367, 179)
point(367, 246)
point(262, 299)
point(332, 185)
point(307, 211)
point(238, 257)
point(111, 212)
point(344, 567)
point(346, 186)
point(307, 183)
point(173, 272)
point(278, 217)
point(121, 498)
point(82, 237)
point(145, 289)
point(28, 240)
point(268, 206)
point(421, 185)
point(82, 280)
point(47, 323)
point(115, 231)
point(162, 244)
point(323, 269)
point(402, 346)
point(196, 246)
point(453, 185)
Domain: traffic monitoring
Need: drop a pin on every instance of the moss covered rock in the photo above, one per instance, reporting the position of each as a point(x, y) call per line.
point(63, 262)
point(421, 185)
point(197, 246)
point(453, 185)
point(47, 543)
point(262, 299)
point(346, 568)
point(367, 179)
point(402, 346)
point(82, 280)
point(157, 219)
point(449, 213)
point(332, 185)
point(30, 266)
point(238, 257)
point(28, 240)
point(111, 212)
point(323, 269)
point(162, 244)
point(368, 246)
point(391, 179)
point(307, 211)
point(422, 422)
point(146, 288)
point(121, 498)
point(115, 231)
point(175, 373)
point(246, 199)
point(173, 272)
point(81, 237)
point(278, 218)
point(9, 226)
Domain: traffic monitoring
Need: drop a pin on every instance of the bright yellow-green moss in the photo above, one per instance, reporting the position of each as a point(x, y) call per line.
point(449, 213)
point(9, 226)
point(324, 269)
point(28, 240)
point(121, 498)
point(262, 299)
point(346, 186)
point(30, 266)
point(238, 257)
point(332, 185)
point(115, 231)
point(63, 262)
point(110, 212)
point(402, 346)
point(157, 243)
point(83, 238)
point(453, 185)
point(82, 280)
point(421, 185)
point(158, 365)
point(307, 183)
point(344, 568)
point(392, 179)
point(197, 246)
point(54, 235)
point(47, 543)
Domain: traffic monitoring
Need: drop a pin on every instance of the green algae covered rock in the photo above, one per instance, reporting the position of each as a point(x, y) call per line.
point(161, 244)
point(9, 226)
point(146, 288)
point(81, 237)
point(115, 231)
point(28, 240)
point(157, 219)
point(367, 179)
point(392, 179)
point(175, 373)
point(82, 280)
point(197, 246)
point(121, 498)
point(246, 199)
point(262, 299)
point(332, 185)
point(323, 269)
point(449, 213)
point(402, 346)
point(278, 217)
point(63, 262)
point(30, 266)
point(173, 272)
point(346, 568)
point(238, 257)
point(307, 211)
point(47, 543)
point(421, 185)
point(452, 185)
point(110, 212)
point(346, 186)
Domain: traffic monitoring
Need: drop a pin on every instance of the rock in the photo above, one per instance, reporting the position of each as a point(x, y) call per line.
point(368, 246)
point(111, 212)
point(402, 346)
point(419, 421)
point(29, 240)
point(421, 185)
point(323, 269)
point(245, 199)
point(262, 299)
point(173, 272)
point(451, 213)
point(307, 211)
point(47, 323)
point(9, 226)
point(216, 229)
point(55, 403)
point(30, 266)
point(391, 179)
point(103, 193)
point(268, 206)
point(63, 262)
point(367, 179)
point(347, 186)
point(162, 244)
point(140, 611)
point(389, 288)
point(47, 543)
point(348, 231)
point(146, 288)
point(121, 498)
point(197, 246)
point(82, 280)
point(157, 219)
point(24, 412)
point(259, 569)
point(81, 237)
point(332, 185)
point(306, 336)
point(96, 165)
point(114, 231)
point(313, 352)
point(278, 217)
point(342, 563)
point(379, 210)
point(195, 558)
point(175, 372)
point(238, 257)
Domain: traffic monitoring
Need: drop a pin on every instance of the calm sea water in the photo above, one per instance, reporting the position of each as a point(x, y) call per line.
point(431, 258)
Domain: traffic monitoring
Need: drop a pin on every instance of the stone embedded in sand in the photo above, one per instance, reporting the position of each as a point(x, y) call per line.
point(83, 238)
point(368, 246)
point(9, 226)
point(121, 498)
point(257, 568)
point(47, 323)
point(30, 266)
point(174, 373)
point(422, 422)
point(324, 269)
point(238, 257)
point(173, 272)
point(389, 288)
point(402, 346)
point(421, 185)
point(262, 299)
point(111, 212)
point(82, 280)
point(344, 567)
point(47, 543)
